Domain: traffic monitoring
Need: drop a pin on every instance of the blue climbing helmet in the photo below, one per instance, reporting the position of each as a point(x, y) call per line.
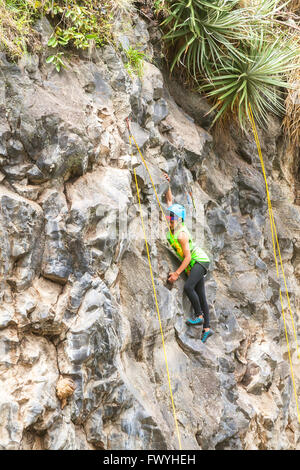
point(178, 210)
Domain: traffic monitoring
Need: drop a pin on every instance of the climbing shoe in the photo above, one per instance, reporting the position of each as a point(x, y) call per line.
point(197, 321)
point(205, 335)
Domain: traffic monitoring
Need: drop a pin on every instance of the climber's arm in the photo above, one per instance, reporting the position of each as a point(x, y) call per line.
point(169, 197)
point(184, 242)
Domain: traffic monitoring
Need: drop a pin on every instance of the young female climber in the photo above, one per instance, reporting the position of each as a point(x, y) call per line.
point(194, 262)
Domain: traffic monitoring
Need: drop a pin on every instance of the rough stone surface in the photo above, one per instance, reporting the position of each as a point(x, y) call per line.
point(81, 357)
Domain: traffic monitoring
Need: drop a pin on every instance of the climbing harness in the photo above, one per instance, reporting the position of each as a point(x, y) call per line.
point(274, 232)
point(152, 278)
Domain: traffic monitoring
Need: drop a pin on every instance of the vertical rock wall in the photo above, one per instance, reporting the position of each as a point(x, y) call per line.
point(76, 295)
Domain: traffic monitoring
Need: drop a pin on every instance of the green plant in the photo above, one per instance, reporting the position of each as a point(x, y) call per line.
point(135, 61)
point(79, 23)
point(158, 6)
point(255, 80)
point(56, 60)
point(236, 54)
point(200, 31)
point(16, 20)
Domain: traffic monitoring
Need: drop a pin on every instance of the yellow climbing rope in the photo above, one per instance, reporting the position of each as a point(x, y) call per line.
point(274, 236)
point(153, 185)
point(154, 290)
point(274, 232)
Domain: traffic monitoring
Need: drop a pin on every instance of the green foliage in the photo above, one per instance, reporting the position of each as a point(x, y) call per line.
point(158, 6)
point(56, 60)
point(201, 30)
point(135, 61)
point(16, 19)
point(237, 55)
point(79, 23)
point(256, 80)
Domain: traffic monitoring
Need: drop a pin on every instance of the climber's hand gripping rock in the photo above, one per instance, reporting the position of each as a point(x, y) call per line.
point(173, 277)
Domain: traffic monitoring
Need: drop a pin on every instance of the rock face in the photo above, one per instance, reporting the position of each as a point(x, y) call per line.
point(82, 361)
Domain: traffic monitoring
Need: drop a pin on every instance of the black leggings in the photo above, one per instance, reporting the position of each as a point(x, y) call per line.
point(195, 290)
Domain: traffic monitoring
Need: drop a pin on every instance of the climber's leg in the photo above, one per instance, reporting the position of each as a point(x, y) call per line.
point(206, 334)
point(200, 289)
point(197, 273)
point(207, 331)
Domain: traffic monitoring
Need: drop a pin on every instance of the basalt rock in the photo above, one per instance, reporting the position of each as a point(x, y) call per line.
point(78, 317)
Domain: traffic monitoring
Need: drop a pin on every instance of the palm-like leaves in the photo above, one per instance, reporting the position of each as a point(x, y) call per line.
point(201, 30)
point(255, 80)
point(235, 54)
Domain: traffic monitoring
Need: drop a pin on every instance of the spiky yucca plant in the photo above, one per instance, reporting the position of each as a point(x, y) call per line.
point(255, 80)
point(200, 31)
point(237, 55)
